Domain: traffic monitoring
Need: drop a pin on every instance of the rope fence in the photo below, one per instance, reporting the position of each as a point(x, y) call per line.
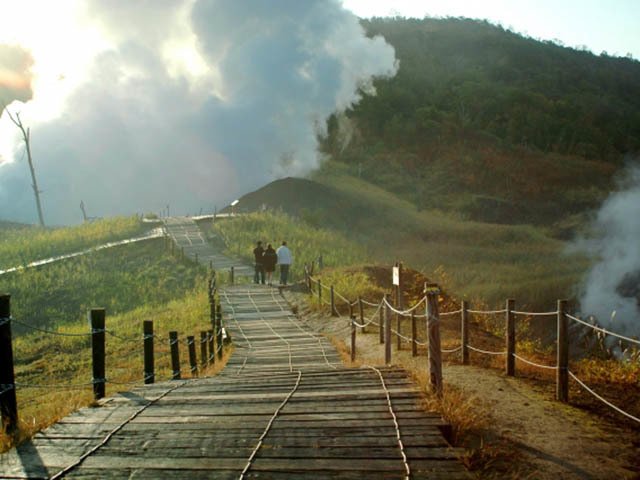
point(386, 309)
point(210, 345)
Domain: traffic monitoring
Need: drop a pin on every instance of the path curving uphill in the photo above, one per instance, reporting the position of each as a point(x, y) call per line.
point(284, 407)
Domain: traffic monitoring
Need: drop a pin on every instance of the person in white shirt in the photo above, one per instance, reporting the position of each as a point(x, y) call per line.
point(285, 261)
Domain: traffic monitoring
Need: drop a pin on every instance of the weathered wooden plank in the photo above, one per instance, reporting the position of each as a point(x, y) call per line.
point(270, 464)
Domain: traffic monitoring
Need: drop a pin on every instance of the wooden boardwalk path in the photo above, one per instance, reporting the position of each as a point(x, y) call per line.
point(283, 408)
point(186, 234)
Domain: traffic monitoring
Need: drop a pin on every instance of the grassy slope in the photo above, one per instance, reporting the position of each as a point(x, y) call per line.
point(23, 245)
point(118, 279)
point(134, 283)
point(478, 261)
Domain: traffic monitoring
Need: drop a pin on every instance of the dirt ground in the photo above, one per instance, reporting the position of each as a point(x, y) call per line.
point(524, 433)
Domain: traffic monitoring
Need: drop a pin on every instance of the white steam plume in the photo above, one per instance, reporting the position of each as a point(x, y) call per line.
point(15, 75)
point(196, 102)
point(613, 283)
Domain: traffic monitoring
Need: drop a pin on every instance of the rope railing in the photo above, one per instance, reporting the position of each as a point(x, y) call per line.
point(98, 335)
point(534, 314)
point(603, 330)
point(486, 352)
point(603, 400)
point(534, 364)
point(487, 312)
point(510, 355)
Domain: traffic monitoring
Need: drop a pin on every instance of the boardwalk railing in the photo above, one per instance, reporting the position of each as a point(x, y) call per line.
point(211, 345)
point(428, 308)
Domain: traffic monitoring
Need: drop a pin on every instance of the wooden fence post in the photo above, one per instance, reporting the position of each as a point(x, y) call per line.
point(8, 402)
point(381, 322)
point(465, 332)
point(149, 367)
point(219, 333)
point(562, 373)
point(511, 338)
point(97, 316)
point(333, 303)
point(433, 327)
point(353, 338)
point(361, 313)
point(192, 355)
point(175, 355)
point(232, 275)
point(414, 334)
point(320, 263)
point(203, 349)
point(212, 355)
point(387, 333)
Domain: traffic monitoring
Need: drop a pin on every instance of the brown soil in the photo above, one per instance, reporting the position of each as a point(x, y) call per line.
point(519, 431)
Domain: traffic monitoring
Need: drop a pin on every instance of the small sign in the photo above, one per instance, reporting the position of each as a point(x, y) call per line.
point(396, 276)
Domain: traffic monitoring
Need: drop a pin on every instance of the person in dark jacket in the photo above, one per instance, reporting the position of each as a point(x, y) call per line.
point(259, 263)
point(269, 260)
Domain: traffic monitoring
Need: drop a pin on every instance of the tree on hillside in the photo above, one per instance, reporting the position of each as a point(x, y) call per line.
point(26, 135)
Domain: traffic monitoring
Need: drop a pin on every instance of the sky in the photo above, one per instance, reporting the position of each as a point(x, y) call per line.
point(610, 26)
point(195, 102)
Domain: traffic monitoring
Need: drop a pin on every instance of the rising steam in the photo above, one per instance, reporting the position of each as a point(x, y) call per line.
point(196, 103)
point(15, 75)
point(613, 283)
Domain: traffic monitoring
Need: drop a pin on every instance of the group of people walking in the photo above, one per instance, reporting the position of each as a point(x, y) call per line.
point(266, 261)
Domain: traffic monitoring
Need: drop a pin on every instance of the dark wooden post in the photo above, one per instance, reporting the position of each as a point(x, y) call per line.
point(203, 349)
point(414, 334)
point(381, 322)
point(211, 265)
point(465, 332)
point(361, 313)
point(175, 355)
point(353, 338)
point(212, 355)
point(510, 365)
point(8, 402)
point(433, 327)
point(97, 316)
point(149, 368)
point(232, 275)
point(333, 303)
point(320, 263)
point(562, 373)
point(219, 334)
point(191, 343)
point(387, 333)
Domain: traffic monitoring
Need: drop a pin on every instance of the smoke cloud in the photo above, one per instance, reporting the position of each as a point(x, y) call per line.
point(195, 104)
point(15, 75)
point(613, 283)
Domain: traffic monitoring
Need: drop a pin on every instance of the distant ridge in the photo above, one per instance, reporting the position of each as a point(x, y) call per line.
point(290, 195)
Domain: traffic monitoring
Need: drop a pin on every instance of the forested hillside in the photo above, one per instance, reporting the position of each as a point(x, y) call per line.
point(491, 125)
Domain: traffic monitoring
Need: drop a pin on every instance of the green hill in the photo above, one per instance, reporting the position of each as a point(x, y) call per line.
point(490, 125)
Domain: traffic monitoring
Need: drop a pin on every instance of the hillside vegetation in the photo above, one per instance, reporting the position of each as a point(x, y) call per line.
point(488, 125)
point(357, 221)
point(22, 244)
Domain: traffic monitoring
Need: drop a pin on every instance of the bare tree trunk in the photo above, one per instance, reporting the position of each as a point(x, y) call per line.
point(27, 142)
